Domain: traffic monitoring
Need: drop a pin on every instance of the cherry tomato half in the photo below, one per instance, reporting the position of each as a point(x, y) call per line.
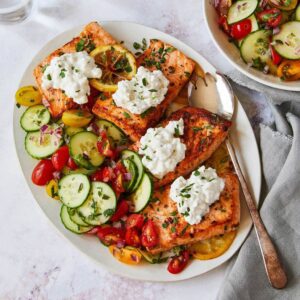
point(60, 158)
point(289, 70)
point(104, 174)
point(71, 164)
point(135, 220)
point(272, 17)
point(149, 235)
point(276, 58)
point(132, 237)
point(122, 210)
point(241, 29)
point(178, 263)
point(224, 24)
point(43, 172)
point(110, 235)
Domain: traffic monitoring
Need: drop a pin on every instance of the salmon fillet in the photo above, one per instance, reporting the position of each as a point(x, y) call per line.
point(173, 230)
point(175, 66)
point(203, 134)
point(93, 35)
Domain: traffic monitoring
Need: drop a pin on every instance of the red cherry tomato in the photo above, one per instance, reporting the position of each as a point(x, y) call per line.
point(275, 56)
point(122, 210)
point(223, 24)
point(71, 164)
point(132, 237)
point(104, 174)
point(178, 263)
point(110, 235)
point(149, 235)
point(118, 185)
point(43, 172)
point(135, 220)
point(241, 29)
point(60, 158)
point(272, 17)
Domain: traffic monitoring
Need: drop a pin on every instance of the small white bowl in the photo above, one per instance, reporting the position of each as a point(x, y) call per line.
point(232, 54)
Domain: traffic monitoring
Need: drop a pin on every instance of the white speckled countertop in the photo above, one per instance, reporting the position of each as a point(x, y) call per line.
point(35, 261)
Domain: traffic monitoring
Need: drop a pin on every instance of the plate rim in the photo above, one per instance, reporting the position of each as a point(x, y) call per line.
point(99, 263)
point(244, 71)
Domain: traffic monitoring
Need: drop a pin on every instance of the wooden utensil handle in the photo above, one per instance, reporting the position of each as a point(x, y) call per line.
point(274, 269)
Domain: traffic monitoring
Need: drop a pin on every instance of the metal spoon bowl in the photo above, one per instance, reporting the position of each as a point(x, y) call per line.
point(214, 93)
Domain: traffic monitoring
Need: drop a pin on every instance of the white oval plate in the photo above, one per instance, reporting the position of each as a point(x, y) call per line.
point(232, 54)
point(244, 142)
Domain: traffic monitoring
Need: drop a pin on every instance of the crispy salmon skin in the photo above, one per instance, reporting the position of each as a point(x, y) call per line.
point(93, 35)
point(175, 66)
point(203, 134)
point(173, 230)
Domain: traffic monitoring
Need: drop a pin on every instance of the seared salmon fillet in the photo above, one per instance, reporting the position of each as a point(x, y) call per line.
point(93, 35)
point(175, 66)
point(203, 134)
point(173, 230)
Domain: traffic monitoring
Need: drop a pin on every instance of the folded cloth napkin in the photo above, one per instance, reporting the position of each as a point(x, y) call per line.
point(280, 210)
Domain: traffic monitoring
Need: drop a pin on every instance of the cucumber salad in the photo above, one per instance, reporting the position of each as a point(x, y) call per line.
point(266, 32)
point(85, 163)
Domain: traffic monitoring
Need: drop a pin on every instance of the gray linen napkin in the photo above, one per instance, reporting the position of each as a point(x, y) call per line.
point(274, 95)
point(280, 211)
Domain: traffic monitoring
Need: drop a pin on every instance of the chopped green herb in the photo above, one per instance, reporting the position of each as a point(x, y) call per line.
point(126, 115)
point(108, 212)
point(145, 82)
point(49, 77)
point(80, 45)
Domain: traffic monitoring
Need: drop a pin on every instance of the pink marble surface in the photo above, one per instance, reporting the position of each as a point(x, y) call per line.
point(35, 262)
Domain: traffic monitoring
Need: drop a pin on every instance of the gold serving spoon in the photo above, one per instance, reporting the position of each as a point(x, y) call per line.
point(215, 94)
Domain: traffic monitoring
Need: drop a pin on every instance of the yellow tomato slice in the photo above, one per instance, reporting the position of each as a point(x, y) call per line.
point(212, 248)
point(52, 189)
point(289, 70)
point(76, 118)
point(130, 256)
point(116, 63)
point(284, 4)
point(28, 96)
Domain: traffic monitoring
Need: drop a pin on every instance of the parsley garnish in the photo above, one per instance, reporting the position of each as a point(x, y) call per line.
point(108, 212)
point(49, 77)
point(80, 45)
point(126, 115)
point(145, 82)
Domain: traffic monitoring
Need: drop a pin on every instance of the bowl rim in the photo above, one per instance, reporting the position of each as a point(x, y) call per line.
point(280, 86)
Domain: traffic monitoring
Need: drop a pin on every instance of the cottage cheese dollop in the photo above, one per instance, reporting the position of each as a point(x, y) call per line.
point(162, 148)
point(146, 89)
point(70, 72)
point(195, 194)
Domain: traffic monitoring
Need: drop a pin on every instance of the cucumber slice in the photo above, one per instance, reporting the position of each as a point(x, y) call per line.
point(141, 197)
point(69, 224)
point(76, 217)
point(41, 145)
point(117, 136)
point(287, 41)
point(297, 13)
point(83, 149)
point(241, 10)
point(100, 205)
point(74, 189)
point(152, 258)
point(254, 27)
point(133, 171)
point(255, 48)
point(34, 118)
point(70, 131)
point(134, 157)
point(67, 171)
